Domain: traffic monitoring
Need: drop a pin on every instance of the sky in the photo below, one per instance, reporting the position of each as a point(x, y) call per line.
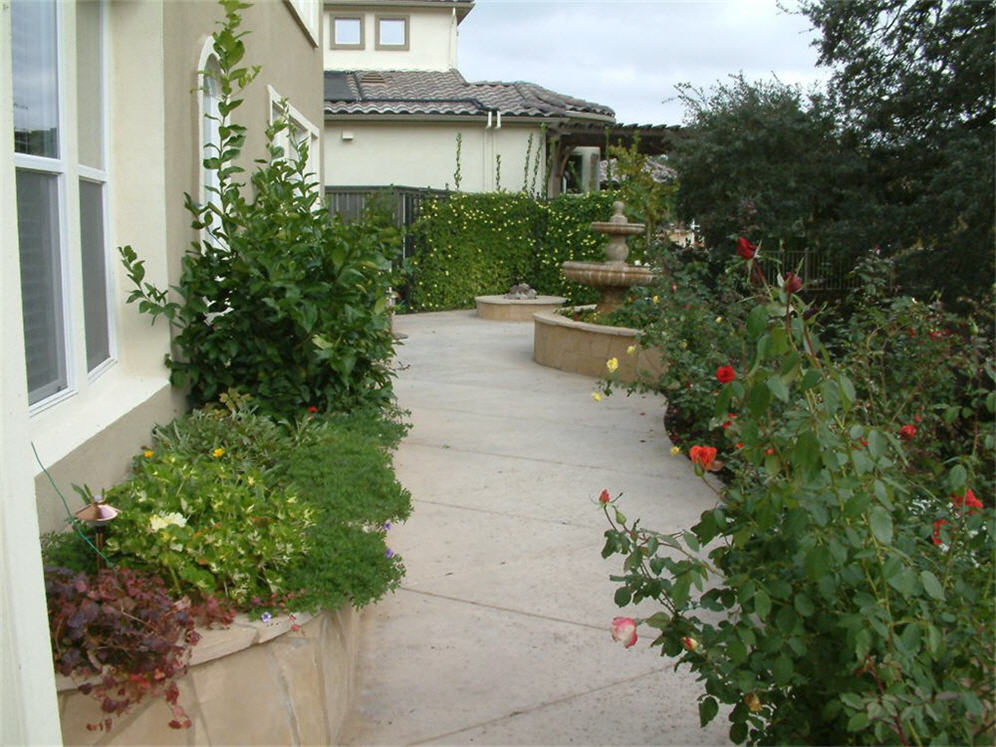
point(630, 54)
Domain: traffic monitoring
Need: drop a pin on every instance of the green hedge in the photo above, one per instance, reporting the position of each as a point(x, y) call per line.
point(481, 244)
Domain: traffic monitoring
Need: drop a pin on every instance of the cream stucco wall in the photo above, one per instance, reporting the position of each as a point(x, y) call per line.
point(410, 154)
point(155, 49)
point(432, 40)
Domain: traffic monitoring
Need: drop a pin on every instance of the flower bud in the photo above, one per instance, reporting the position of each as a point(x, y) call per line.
point(793, 283)
point(690, 643)
point(746, 249)
point(604, 497)
point(907, 432)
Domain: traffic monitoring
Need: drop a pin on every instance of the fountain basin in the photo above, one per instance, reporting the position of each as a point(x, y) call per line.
point(583, 348)
point(612, 279)
point(504, 309)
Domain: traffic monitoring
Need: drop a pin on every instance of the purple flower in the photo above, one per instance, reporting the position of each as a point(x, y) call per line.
point(266, 617)
point(389, 552)
point(387, 525)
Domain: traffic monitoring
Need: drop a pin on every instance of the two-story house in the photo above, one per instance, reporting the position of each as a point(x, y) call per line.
point(398, 111)
point(106, 118)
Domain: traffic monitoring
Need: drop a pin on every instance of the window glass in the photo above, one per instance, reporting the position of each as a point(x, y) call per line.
point(89, 83)
point(392, 32)
point(98, 343)
point(347, 32)
point(41, 282)
point(36, 83)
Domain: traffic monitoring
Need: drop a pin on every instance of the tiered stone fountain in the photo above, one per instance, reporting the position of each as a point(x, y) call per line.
point(580, 347)
point(614, 277)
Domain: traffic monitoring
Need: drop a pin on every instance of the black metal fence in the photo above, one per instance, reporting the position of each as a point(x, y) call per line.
point(820, 272)
point(404, 203)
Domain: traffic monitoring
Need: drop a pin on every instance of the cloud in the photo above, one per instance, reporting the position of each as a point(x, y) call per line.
point(630, 55)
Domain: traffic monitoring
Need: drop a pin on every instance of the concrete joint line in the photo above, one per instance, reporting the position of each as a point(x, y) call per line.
point(503, 609)
point(540, 706)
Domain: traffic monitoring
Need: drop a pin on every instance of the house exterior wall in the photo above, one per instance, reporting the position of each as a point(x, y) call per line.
point(28, 712)
point(382, 153)
point(87, 432)
point(93, 439)
point(432, 42)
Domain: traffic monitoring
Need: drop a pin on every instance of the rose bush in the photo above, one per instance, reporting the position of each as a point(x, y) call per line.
point(841, 590)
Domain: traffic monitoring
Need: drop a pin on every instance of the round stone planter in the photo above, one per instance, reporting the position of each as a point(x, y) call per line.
point(583, 348)
point(501, 309)
point(252, 683)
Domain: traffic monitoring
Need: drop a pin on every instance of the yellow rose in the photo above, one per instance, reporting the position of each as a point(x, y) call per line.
point(597, 396)
point(612, 364)
point(675, 450)
point(630, 350)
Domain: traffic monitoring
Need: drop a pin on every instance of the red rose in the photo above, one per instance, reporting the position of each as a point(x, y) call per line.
point(312, 409)
point(704, 456)
point(746, 249)
point(793, 283)
point(937, 531)
point(967, 499)
point(725, 374)
point(907, 432)
point(604, 497)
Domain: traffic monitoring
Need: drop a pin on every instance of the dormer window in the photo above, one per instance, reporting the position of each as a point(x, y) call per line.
point(392, 32)
point(347, 32)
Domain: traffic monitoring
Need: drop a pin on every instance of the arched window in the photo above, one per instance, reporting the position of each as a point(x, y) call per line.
point(210, 126)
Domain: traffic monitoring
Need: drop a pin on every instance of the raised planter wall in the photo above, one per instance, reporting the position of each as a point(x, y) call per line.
point(250, 684)
point(579, 347)
point(501, 309)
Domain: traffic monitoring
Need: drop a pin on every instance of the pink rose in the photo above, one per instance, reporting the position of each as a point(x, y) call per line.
point(624, 630)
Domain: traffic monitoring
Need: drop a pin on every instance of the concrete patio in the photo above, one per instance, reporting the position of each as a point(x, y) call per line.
point(500, 632)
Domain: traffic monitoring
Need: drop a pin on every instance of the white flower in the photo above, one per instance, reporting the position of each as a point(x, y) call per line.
point(161, 521)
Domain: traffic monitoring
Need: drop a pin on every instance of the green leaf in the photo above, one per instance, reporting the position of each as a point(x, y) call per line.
point(931, 585)
point(778, 388)
point(708, 708)
point(880, 523)
point(803, 605)
point(758, 399)
point(762, 604)
point(858, 721)
point(782, 670)
point(622, 596)
point(957, 478)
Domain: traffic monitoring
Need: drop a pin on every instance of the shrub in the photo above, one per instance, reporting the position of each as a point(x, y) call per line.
point(481, 244)
point(274, 298)
point(845, 598)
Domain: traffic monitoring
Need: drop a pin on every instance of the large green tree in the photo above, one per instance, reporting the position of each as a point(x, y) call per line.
point(913, 83)
point(764, 160)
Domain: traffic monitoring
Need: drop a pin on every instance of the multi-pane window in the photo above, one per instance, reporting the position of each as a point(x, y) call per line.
point(61, 181)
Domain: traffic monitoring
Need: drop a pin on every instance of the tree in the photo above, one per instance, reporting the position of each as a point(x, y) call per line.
point(914, 86)
point(762, 159)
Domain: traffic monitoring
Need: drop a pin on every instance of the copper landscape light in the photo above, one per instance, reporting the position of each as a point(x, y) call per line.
point(98, 515)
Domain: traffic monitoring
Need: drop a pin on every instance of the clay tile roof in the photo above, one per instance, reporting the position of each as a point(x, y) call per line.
point(439, 93)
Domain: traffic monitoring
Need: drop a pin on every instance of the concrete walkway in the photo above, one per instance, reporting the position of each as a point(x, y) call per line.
point(500, 632)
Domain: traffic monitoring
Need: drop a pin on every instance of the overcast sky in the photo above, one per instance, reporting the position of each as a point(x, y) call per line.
point(629, 54)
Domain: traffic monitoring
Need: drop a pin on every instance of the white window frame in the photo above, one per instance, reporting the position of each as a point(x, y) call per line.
point(300, 126)
point(309, 15)
point(58, 166)
point(206, 178)
point(333, 44)
point(101, 176)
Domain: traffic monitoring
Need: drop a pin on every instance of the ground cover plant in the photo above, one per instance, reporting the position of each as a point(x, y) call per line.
point(841, 590)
